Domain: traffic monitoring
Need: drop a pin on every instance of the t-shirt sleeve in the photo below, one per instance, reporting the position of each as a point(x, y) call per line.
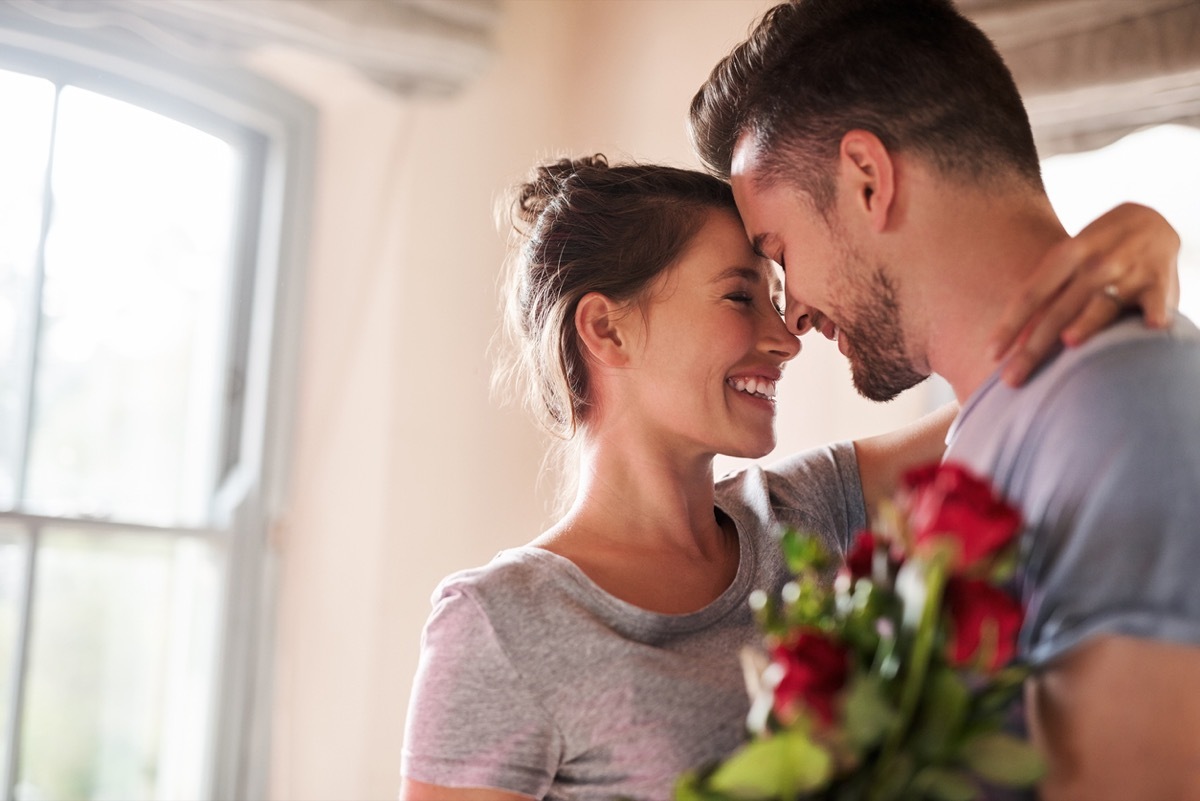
point(472, 721)
point(1114, 486)
point(819, 491)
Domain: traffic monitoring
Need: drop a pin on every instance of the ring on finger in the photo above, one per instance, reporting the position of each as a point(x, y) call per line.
point(1112, 293)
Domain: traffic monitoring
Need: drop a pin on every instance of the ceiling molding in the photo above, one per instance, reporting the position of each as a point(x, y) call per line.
point(410, 46)
point(1018, 23)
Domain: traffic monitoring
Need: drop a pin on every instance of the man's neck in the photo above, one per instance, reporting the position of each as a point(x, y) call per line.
point(982, 254)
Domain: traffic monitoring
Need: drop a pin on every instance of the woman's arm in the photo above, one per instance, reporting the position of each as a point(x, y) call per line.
point(1125, 258)
point(883, 459)
point(420, 791)
point(473, 720)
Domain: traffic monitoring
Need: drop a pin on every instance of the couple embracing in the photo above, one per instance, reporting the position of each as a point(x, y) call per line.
point(872, 176)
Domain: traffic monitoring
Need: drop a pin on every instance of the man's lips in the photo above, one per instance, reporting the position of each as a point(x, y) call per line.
point(830, 331)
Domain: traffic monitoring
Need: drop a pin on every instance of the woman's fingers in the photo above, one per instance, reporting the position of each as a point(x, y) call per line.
point(1124, 259)
point(1080, 314)
point(1028, 303)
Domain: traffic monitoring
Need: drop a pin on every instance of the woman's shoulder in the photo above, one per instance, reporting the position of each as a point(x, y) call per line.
point(510, 567)
point(513, 583)
point(812, 473)
point(817, 490)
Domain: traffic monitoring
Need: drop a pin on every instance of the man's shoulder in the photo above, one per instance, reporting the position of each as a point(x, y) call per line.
point(1129, 371)
point(1126, 344)
point(1128, 379)
point(1123, 357)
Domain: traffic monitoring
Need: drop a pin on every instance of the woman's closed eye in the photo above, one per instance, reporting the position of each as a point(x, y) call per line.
point(747, 298)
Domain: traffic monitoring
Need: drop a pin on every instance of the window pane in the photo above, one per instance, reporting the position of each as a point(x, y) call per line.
point(137, 279)
point(12, 586)
point(121, 662)
point(1159, 167)
point(28, 105)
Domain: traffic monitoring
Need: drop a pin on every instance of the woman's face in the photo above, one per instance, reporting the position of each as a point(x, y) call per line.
point(713, 346)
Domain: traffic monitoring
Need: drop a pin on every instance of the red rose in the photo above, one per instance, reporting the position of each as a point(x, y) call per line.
point(861, 556)
point(860, 560)
point(947, 501)
point(814, 671)
point(984, 623)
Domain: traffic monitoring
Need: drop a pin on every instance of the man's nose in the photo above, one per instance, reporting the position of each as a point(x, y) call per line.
point(799, 317)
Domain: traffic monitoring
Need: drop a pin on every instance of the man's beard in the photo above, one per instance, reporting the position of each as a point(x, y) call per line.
point(879, 363)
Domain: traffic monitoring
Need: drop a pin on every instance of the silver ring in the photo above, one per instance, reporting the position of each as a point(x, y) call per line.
point(1112, 293)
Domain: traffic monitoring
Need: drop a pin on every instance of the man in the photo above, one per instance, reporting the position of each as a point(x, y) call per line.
point(879, 151)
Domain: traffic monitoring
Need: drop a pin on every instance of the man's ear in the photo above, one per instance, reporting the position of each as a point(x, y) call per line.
point(600, 323)
point(870, 174)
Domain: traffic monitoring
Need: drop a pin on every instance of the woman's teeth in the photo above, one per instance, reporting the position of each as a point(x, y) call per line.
point(760, 387)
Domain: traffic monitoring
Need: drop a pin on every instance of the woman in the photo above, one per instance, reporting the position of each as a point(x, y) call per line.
point(601, 660)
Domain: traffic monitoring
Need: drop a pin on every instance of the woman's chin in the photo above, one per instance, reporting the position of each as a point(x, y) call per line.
point(753, 450)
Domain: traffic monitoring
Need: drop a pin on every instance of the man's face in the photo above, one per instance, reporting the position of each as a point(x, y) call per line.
point(830, 284)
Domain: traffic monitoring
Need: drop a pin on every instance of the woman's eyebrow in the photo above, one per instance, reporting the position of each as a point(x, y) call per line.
point(746, 273)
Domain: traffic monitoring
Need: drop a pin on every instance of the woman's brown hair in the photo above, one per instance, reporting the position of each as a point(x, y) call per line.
point(582, 225)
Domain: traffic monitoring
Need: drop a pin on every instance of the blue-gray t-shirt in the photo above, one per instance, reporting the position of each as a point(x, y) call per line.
point(534, 680)
point(1101, 453)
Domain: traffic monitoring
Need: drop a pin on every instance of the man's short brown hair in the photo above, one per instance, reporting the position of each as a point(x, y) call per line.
point(915, 73)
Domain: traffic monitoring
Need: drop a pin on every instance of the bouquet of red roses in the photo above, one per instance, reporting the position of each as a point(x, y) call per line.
point(895, 682)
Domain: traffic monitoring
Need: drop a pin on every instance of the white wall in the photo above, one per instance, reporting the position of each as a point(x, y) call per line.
point(405, 469)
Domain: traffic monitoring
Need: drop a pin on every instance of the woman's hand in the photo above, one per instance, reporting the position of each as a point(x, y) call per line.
point(1127, 257)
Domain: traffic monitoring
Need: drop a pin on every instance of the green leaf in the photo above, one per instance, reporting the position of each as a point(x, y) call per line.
point(807, 603)
point(690, 787)
point(943, 713)
point(781, 766)
point(944, 784)
point(892, 779)
point(803, 552)
point(861, 611)
point(868, 715)
point(1004, 565)
point(1003, 759)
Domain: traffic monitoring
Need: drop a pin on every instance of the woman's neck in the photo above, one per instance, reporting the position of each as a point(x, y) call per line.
point(647, 498)
point(640, 517)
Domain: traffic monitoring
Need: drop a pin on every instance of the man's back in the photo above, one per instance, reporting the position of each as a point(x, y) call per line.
point(1101, 452)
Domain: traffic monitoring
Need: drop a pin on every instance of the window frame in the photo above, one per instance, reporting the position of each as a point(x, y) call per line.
point(262, 354)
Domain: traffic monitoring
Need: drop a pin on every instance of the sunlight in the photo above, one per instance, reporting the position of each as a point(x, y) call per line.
point(1158, 167)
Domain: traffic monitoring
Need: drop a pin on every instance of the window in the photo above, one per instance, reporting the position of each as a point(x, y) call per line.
point(148, 225)
point(1158, 167)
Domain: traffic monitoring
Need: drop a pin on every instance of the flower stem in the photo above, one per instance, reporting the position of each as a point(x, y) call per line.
point(914, 679)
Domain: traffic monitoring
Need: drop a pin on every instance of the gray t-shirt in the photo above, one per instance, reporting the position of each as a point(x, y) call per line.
point(533, 680)
point(1101, 452)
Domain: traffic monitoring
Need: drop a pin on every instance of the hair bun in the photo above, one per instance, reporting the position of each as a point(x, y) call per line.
point(547, 183)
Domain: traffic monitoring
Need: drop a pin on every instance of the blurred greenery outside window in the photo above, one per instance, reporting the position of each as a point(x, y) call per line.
point(147, 234)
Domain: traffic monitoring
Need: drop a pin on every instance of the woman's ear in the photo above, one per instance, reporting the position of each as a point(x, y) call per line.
point(869, 173)
point(600, 323)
